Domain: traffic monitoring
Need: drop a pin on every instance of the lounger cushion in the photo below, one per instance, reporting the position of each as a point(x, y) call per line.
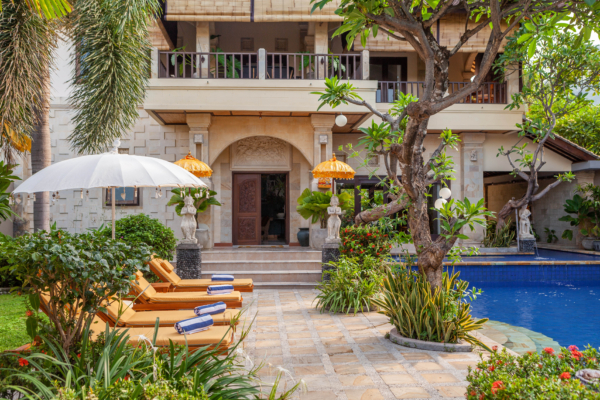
point(148, 318)
point(205, 283)
point(164, 270)
point(140, 284)
point(190, 297)
point(211, 336)
point(167, 266)
point(115, 308)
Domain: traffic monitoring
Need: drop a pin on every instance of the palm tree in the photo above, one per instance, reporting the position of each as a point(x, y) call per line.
point(111, 53)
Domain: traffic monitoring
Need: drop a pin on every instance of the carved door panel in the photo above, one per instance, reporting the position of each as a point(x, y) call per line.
point(246, 209)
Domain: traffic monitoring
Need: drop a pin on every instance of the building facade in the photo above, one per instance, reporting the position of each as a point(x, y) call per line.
point(232, 86)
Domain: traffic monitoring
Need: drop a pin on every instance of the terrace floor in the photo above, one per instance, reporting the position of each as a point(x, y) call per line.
point(346, 357)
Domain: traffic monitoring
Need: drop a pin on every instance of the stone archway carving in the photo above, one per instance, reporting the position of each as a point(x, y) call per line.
point(261, 153)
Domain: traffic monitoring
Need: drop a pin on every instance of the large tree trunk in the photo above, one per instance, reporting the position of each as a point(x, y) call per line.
point(41, 155)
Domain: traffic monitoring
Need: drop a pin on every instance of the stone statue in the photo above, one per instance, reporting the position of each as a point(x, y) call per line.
point(524, 224)
point(188, 223)
point(334, 222)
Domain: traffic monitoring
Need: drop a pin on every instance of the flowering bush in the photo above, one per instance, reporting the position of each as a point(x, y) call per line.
point(362, 241)
point(533, 376)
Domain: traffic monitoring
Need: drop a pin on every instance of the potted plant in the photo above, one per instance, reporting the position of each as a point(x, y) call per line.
point(313, 206)
point(584, 208)
point(203, 198)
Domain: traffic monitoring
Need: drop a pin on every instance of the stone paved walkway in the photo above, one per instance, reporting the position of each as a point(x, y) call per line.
point(346, 357)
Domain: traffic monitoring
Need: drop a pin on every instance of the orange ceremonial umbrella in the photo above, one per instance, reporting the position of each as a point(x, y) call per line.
point(195, 166)
point(333, 169)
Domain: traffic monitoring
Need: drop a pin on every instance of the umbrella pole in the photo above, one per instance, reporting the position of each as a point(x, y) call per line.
point(113, 211)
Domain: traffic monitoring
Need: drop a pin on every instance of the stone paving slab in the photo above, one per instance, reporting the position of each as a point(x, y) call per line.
point(346, 357)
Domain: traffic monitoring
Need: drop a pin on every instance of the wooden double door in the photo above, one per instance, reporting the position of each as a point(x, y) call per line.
point(248, 220)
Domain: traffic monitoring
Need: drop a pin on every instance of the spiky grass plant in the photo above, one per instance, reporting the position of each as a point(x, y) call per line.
point(112, 60)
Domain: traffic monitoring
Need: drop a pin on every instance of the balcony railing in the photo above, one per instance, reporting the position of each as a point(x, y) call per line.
point(260, 65)
point(488, 93)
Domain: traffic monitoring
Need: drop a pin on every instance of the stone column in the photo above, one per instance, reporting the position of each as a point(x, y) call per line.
point(199, 142)
point(202, 45)
point(322, 124)
point(365, 64)
point(472, 179)
point(189, 261)
point(321, 47)
point(154, 63)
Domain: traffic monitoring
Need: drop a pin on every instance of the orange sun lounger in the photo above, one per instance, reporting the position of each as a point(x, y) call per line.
point(121, 315)
point(148, 299)
point(165, 271)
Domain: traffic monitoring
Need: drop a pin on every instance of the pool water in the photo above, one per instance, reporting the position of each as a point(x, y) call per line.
point(568, 312)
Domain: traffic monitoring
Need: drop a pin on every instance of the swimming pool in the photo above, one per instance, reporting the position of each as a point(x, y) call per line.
point(555, 293)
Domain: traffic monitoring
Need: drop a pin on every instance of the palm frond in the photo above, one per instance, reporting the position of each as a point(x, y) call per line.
point(112, 59)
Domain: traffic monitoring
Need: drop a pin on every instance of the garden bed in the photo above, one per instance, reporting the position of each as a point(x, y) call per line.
point(461, 347)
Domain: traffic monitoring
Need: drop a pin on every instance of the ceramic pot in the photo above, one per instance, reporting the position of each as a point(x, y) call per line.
point(303, 237)
point(596, 244)
point(588, 243)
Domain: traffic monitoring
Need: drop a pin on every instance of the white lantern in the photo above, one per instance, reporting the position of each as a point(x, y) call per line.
point(341, 120)
point(439, 204)
point(445, 193)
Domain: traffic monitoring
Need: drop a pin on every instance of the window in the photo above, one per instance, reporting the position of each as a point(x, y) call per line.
point(124, 196)
point(247, 44)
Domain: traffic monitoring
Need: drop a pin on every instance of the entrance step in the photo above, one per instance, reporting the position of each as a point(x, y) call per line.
point(268, 268)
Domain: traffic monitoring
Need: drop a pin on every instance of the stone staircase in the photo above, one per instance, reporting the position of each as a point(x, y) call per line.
point(269, 268)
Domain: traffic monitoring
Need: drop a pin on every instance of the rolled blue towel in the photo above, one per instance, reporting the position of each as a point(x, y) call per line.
point(194, 325)
point(219, 289)
point(216, 308)
point(226, 278)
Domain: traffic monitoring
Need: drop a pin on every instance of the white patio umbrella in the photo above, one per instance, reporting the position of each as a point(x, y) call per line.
point(109, 170)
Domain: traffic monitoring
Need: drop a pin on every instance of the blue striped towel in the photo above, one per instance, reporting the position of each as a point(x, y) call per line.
point(216, 308)
point(219, 289)
point(227, 278)
point(194, 325)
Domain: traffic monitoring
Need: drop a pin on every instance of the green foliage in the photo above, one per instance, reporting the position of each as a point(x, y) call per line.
point(336, 93)
point(141, 229)
point(203, 198)
point(48, 8)
point(6, 178)
point(503, 238)
point(350, 285)
point(111, 369)
point(112, 48)
point(550, 235)
point(363, 242)
point(457, 214)
point(313, 205)
point(584, 208)
point(13, 310)
point(533, 376)
point(7, 279)
point(26, 45)
point(76, 271)
point(418, 313)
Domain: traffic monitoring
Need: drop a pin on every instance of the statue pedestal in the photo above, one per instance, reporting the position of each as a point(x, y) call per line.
point(527, 245)
point(330, 253)
point(189, 261)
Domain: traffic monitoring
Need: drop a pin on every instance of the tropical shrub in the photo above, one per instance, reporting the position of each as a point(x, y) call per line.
point(350, 285)
point(584, 210)
point(77, 272)
point(417, 312)
point(533, 376)
point(8, 278)
point(111, 369)
point(313, 205)
point(365, 241)
point(6, 178)
point(203, 198)
point(140, 228)
point(502, 238)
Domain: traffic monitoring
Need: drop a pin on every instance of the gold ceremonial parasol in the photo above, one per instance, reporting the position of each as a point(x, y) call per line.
point(195, 166)
point(333, 169)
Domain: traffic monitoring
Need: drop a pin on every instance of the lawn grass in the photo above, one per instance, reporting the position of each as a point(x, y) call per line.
point(12, 322)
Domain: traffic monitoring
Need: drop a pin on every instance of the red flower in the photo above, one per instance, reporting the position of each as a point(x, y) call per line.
point(23, 362)
point(472, 393)
point(351, 250)
point(494, 348)
point(576, 354)
point(499, 362)
point(565, 376)
point(482, 396)
point(549, 350)
point(79, 355)
point(573, 347)
point(496, 386)
point(126, 378)
point(561, 356)
point(491, 368)
point(29, 313)
point(530, 352)
point(377, 253)
point(368, 234)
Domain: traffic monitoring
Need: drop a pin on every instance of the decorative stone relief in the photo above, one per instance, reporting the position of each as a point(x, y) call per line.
point(261, 153)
